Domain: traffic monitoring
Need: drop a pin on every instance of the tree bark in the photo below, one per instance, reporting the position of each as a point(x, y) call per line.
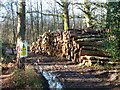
point(54, 17)
point(31, 30)
point(13, 24)
point(21, 29)
point(66, 15)
point(87, 14)
point(41, 17)
point(73, 26)
point(37, 20)
point(86, 9)
point(108, 19)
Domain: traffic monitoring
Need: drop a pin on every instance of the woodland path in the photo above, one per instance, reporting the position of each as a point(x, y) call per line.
point(76, 76)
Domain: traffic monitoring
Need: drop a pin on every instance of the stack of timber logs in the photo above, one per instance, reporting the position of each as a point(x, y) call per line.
point(78, 45)
point(48, 43)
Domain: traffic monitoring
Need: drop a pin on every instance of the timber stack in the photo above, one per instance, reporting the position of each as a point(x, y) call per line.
point(78, 45)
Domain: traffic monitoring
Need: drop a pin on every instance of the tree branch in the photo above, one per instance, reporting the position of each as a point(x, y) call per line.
point(80, 7)
point(59, 3)
point(76, 17)
point(49, 14)
point(82, 10)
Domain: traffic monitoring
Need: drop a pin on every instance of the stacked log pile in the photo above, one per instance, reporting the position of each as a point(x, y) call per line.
point(78, 45)
point(48, 43)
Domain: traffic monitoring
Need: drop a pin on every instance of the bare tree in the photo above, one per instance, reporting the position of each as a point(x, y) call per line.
point(73, 26)
point(37, 26)
point(65, 4)
point(41, 16)
point(21, 28)
point(13, 22)
point(31, 17)
point(87, 10)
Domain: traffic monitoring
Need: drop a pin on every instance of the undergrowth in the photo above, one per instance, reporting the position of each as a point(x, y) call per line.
point(26, 79)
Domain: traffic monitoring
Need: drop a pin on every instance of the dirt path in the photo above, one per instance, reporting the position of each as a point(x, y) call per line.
point(76, 76)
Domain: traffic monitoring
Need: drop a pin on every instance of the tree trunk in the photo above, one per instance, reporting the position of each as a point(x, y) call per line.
point(108, 19)
point(37, 20)
point(54, 17)
point(57, 19)
point(87, 14)
point(31, 30)
point(73, 26)
point(13, 23)
point(41, 17)
point(66, 16)
point(21, 29)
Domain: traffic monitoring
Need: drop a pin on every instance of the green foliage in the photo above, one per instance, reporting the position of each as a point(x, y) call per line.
point(111, 43)
point(111, 48)
point(26, 79)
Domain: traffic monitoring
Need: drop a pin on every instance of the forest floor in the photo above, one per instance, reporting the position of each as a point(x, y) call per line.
point(77, 76)
point(70, 74)
point(13, 78)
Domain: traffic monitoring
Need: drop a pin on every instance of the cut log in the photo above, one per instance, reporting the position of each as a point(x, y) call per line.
point(90, 39)
point(88, 36)
point(92, 53)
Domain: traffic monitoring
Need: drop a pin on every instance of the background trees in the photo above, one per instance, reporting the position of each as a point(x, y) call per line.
point(112, 38)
